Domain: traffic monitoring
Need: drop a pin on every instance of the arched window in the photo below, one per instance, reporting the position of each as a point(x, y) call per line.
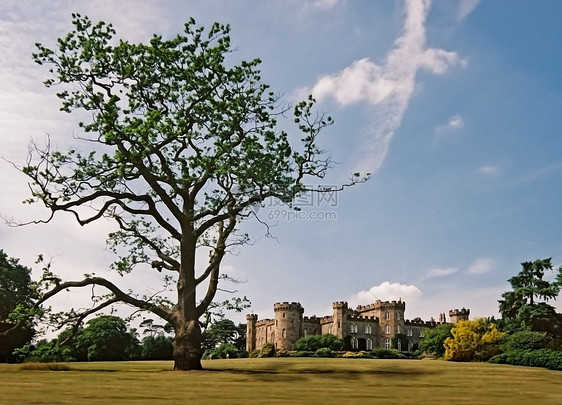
point(387, 315)
point(398, 330)
point(398, 316)
point(368, 329)
point(283, 314)
point(305, 332)
point(284, 333)
point(387, 344)
point(369, 344)
point(409, 332)
point(353, 328)
point(387, 329)
point(354, 343)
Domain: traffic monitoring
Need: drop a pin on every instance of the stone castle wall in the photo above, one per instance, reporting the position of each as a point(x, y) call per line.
point(366, 327)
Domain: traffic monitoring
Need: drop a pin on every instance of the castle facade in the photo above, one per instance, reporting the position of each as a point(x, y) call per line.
point(381, 324)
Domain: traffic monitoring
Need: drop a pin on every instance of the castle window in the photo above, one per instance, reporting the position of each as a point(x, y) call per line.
point(354, 343)
point(387, 329)
point(353, 328)
point(368, 329)
point(409, 332)
point(399, 344)
point(387, 344)
point(387, 315)
point(398, 316)
point(305, 332)
point(284, 333)
point(398, 330)
point(369, 344)
point(410, 346)
point(421, 333)
point(283, 314)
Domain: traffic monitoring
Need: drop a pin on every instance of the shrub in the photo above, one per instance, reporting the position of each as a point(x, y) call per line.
point(526, 340)
point(476, 340)
point(315, 342)
point(548, 358)
point(381, 353)
point(302, 353)
point(324, 352)
point(358, 355)
point(433, 339)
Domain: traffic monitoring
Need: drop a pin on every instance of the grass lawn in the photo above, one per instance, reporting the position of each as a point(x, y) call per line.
point(283, 381)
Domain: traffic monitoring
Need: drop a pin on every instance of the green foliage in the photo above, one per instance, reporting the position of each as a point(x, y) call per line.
point(382, 353)
point(189, 144)
point(267, 350)
point(324, 352)
point(17, 294)
point(475, 340)
point(224, 331)
point(526, 340)
point(107, 338)
point(526, 307)
point(158, 347)
point(224, 351)
point(433, 340)
point(551, 359)
point(314, 342)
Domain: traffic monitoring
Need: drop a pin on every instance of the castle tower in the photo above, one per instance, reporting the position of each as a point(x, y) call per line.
point(458, 315)
point(288, 324)
point(340, 317)
point(251, 332)
point(391, 320)
point(442, 318)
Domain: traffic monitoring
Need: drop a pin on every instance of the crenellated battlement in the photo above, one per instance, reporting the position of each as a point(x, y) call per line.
point(339, 304)
point(286, 306)
point(251, 317)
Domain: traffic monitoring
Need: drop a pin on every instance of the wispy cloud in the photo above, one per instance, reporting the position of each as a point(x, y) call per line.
point(324, 4)
point(387, 87)
point(488, 169)
point(465, 8)
point(455, 122)
point(441, 272)
point(481, 266)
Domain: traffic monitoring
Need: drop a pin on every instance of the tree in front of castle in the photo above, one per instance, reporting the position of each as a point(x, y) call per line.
point(180, 146)
point(526, 306)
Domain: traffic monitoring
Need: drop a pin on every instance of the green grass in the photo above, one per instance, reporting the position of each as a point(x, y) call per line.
point(280, 381)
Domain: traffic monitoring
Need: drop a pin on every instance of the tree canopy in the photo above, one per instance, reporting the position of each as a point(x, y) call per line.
point(17, 295)
point(526, 306)
point(179, 146)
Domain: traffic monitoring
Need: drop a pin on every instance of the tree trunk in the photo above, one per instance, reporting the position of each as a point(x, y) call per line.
point(187, 347)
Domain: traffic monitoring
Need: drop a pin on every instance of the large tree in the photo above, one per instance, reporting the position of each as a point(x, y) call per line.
point(181, 146)
point(17, 294)
point(526, 306)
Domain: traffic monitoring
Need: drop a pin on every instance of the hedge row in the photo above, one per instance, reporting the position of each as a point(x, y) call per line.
point(548, 358)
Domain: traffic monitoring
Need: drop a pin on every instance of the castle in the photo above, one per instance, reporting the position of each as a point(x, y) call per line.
point(381, 324)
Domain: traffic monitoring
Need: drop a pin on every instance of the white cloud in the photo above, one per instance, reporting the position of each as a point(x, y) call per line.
point(387, 291)
point(465, 8)
point(455, 122)
point(440, 272)
point(488, 169)
point(481, 266)
point(324, 4)
point(387, 87)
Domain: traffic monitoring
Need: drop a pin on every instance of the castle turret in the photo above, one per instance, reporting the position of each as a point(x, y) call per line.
point(340, 316)
point(458, 315)
point(288, 324)
point(251, 332)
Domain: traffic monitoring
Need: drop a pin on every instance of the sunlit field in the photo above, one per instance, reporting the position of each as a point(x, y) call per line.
point(280, 381)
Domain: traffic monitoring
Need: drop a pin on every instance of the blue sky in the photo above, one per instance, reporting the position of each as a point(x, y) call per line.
point(454, 106)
